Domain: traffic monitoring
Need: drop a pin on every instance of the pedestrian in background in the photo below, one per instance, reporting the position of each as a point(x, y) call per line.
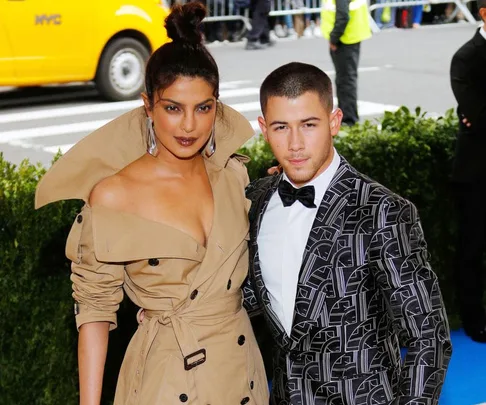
point(346, 24)
point(259, 36)
point(468, 81)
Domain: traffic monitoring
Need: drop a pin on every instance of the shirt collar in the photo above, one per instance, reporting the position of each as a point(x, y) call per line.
point(482, 32)
point(321, 182)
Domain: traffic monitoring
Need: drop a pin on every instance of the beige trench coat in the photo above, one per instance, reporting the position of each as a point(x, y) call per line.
point(196, 344)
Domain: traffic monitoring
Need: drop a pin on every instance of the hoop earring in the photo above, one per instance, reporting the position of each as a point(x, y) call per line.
point(211, 145)
point(152, 148)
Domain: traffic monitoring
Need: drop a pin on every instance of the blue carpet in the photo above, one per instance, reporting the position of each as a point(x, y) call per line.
point(466, 377)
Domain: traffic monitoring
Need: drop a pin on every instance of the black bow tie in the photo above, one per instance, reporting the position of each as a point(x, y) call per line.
point(290, 194)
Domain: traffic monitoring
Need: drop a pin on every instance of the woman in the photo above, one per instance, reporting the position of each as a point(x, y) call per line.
point(165, 220)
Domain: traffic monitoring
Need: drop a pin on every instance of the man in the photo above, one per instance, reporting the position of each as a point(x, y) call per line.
point(346, 24)
point(338, 265)
point(468, 82)
point(259, 35)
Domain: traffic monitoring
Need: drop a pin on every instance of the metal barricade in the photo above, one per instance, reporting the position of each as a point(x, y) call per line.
point(295, 7)
point(225, 10)
point(460, 6)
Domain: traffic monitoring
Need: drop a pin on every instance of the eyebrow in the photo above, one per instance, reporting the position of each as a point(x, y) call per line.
point(301, 121)
point(177, 103)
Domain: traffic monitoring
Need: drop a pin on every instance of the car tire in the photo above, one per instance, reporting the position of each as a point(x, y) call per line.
point(121, 71)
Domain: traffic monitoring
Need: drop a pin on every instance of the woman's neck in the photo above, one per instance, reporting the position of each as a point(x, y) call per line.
point(167, 163)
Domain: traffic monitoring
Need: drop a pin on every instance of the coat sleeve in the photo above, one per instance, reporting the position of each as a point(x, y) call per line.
point(97, 287)
point(468, 94)
point(399, 260)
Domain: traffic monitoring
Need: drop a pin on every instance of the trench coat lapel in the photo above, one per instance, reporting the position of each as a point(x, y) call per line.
point(112, 242)
point(230, 221)
point(119, 143)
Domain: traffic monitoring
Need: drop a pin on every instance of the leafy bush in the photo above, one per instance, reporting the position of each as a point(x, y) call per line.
point(37, 340)
point(410, 154)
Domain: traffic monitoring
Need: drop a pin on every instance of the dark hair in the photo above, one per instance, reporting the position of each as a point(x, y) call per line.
point(294, 79)
point(185, 55)
point(481, 4)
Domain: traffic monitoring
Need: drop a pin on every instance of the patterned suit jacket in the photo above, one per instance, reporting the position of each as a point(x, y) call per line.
point(365, 289)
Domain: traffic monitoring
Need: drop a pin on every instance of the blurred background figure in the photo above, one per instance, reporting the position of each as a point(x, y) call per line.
point(346, 24)
point(468, 81)
point(259, 36)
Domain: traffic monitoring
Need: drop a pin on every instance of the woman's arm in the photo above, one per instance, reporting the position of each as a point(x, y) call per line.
point(92, 349)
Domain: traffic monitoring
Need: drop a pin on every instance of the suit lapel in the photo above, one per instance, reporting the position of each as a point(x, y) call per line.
point(325, 229)
point(256, 217)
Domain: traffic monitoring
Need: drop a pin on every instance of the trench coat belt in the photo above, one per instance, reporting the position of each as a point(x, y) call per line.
point(181, 320)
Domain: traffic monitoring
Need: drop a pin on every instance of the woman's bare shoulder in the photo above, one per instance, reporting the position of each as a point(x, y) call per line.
point(114, 191)
point(109, 192)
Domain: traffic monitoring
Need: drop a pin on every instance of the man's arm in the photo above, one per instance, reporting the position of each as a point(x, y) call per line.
point(342, 19)
point(250, 301)
point(469, 96)
point(399, 261)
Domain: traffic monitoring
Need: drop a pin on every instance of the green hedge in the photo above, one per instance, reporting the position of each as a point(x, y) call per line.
point(410, 154)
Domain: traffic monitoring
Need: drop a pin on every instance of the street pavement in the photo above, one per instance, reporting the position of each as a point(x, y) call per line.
point(397, 67)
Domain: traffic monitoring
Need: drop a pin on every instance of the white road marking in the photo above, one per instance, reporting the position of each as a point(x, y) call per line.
point(64, 148)
point(366, 108)
point(22, 137)
point(55, 149)
point(103, 107)
point(52, 130)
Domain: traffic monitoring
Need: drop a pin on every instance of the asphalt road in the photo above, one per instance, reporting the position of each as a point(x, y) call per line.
point(397, 67)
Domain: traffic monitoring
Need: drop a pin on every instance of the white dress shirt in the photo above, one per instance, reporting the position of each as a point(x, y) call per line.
point(281, 242)
point(482, 32)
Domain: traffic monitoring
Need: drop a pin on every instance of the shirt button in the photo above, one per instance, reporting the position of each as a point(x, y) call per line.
point(241, 342)
point(153, 262)
point(183, 398)
point(194, 294)
point(228, 286)
point(79, 219)
point(245, 401)
point(252, 385)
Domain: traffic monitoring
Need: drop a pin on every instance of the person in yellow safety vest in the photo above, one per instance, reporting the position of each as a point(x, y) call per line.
point(346, 24)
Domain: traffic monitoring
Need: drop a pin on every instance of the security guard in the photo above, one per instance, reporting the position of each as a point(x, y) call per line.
point(345, 24)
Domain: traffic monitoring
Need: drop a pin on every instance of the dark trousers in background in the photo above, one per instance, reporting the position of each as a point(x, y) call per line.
point(469, 268)
point(346, 60)
point(260, 30)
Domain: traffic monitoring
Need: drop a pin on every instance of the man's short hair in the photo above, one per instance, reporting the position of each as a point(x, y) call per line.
point(481, 4)
point(294, 79)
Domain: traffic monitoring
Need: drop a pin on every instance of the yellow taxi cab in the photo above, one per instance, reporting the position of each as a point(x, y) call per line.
point(61, 41)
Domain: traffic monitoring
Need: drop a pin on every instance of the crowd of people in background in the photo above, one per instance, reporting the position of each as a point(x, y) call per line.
point(266, 28)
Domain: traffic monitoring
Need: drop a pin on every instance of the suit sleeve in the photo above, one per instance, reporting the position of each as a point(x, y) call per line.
point(469, 96)
point(250, 301)
point(97, 287)
point(399, 259)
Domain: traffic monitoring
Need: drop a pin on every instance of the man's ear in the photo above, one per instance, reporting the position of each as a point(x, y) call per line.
point(263, 126)
point(482, 14)
point(335, 121)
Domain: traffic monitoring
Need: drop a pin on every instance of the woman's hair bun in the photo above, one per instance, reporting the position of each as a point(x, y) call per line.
point(184, 21)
